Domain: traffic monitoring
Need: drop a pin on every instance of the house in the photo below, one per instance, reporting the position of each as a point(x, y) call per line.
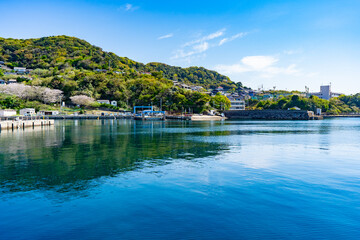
point(19, 69)
point(2, 82)
point(237, 104)
point(103, 101)
point(114, 103)
point(218, 90)
point(27, 111)
point(184, 86)
point(51, 113)
point(7, 112)
point(100, 70)
point(196, 88)
point(11, 81)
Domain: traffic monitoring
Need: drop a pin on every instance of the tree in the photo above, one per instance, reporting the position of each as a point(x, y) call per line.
point(82, 100)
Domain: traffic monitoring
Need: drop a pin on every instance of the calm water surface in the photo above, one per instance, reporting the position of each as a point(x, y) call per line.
point(121, 179)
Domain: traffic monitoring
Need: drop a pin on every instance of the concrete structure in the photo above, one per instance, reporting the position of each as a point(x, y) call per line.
point(7, 112)
point(12, 125)
point(325, 93)
point(103, 101)
point(114, 103)
point(27, 111)
point(48, 113)
point(237, 104)
point(271, 115)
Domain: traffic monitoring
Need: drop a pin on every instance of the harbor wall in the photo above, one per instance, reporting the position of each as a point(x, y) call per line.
point(271, 114)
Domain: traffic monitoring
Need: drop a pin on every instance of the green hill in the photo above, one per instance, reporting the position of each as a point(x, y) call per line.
point(64, 51)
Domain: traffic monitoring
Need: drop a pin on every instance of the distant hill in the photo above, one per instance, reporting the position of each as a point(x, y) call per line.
point(65, 51)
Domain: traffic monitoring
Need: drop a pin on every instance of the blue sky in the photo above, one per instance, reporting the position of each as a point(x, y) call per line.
point(287, 44)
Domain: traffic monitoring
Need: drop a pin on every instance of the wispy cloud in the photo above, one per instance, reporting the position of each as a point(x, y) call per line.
point(206, 38)
point(128, 7)
point(239, 35)
point(265, 65)
point(200, 45)
point(170, 35)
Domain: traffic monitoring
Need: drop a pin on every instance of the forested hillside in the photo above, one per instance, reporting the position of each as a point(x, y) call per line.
point(63, 52)
point(78, 70)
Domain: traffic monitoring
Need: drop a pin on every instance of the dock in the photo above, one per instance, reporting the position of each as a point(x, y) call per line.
point(195, 117)
point(21, 124)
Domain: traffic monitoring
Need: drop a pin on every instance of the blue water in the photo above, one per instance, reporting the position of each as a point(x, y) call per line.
point(121, 179)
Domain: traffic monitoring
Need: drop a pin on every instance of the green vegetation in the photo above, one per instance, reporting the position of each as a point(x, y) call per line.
point(342, 104)
point(62, 52)
point(72, 66)
point(13, 102)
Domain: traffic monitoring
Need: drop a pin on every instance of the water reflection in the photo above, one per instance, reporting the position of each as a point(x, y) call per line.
point(64, 157)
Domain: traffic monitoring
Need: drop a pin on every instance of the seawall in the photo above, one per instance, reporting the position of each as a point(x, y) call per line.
point(271, 114)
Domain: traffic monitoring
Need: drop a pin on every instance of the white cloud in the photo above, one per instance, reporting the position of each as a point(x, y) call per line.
point(170, 35)
point(128, 7)
point(292, 52)
point(239, 35)
point(200, 45)
point(259, 62)
point(264, 65)
point(206, 38)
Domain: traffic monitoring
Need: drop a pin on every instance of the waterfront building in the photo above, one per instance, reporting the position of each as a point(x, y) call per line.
point(7, 112)
point(50, 113)
point(237, 104)
point(325, 93)
point(27, 111)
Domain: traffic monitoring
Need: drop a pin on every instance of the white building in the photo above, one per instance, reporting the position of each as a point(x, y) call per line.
point(27, 111)
point(103, 101)
point(114, 103)
point(325, 93)
point(20, 69)
point(237, 104)
point(48, 113)
point(7, 112)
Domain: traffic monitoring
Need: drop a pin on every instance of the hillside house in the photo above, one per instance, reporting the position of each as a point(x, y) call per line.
point(114, 103)
point(103, 101)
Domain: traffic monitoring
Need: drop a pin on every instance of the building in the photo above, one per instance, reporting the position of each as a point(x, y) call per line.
point(51, 113)
point(103, 101)
point(27, 111)
point(7, 112)
point(11, 81)
point(114, 103)
point(325, 93)
point(197, 88)
point(19, 69)
point(237, 104)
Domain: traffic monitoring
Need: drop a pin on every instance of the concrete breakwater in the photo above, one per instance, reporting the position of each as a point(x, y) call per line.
point(79, 117)
point(272, 115)
point(21, 124)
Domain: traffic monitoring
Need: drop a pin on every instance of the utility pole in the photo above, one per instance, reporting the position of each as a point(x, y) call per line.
point(60, 103)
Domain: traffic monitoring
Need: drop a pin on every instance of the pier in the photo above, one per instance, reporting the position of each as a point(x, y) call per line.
point(21, 124)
